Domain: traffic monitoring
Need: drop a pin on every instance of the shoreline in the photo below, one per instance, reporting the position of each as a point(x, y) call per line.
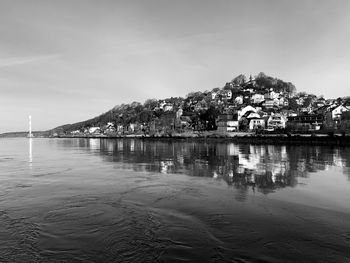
point(293, 139)
point(236, 137)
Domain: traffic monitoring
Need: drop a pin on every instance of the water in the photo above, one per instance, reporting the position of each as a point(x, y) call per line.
point(91, 200)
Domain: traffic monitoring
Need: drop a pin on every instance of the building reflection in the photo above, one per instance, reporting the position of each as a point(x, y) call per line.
point(263, 168)
point(30, 152)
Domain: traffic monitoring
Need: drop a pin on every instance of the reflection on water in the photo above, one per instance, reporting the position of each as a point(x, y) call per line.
point(30, 154)
point(264, 168)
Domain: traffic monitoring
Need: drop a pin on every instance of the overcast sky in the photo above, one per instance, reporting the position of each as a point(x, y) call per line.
point(67, 61)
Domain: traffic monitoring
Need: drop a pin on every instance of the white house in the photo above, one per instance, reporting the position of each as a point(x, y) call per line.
point(245, 110)
point(132, 127)
point(94, 130)
point(257, 98)
point(75, 132)
point(232, 126)
point(168, 107)
point(276, 121)
point(338, 111)
point(269, 103)
point(271, 95)
point(120, 128)
point(256, 123)
point(283, 102)
point(239, 100)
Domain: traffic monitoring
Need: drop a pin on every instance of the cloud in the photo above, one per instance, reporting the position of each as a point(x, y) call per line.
point(15, 61)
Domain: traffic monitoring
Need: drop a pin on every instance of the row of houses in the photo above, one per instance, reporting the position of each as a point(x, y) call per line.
point(251, 118)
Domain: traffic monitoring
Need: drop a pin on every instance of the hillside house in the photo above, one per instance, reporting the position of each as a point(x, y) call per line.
point(168, 107)
point(271, 95)
point(270, 103)
point(306, 122)
point(338, 111)
point(109, 128)
point(282, 102)
point(75, 132)
point(227, 123)
point(256, 123)
point(239, 100)
point(120, 128)
point(276, 121)
point(95, 130)
point(244, 110)
point(257, 98)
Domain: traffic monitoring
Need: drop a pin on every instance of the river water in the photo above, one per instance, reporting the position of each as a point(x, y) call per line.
point(129, 200)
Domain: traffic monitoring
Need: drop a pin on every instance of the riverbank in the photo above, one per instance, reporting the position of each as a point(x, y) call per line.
point(238, 137)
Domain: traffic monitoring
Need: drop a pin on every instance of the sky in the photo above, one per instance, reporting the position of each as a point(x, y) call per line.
point(64, 61)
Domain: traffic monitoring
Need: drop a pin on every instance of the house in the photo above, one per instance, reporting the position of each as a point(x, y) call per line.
point(300, 101)
point(276, 121)
point(256, 123)
point(95, 130)
point(75, 132)
point(200, 106)
point(308, 109)
point(257, 98)
point(132, 127)
point(282, 102)
point(239, 100)
point(120, 128)
point(244, 110)
point(168, 107)
point(306, 121)
point(271, 95)
point(320, 102)
point(338, 111)
point(183, 123)
point(109, 128)
point(269, 103)
point(227, 123)
point(213, 95)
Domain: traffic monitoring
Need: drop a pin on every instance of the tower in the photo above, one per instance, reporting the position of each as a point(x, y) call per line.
point(30, 135)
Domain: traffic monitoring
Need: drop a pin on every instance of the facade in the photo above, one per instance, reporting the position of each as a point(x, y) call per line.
point(276, 121)
point(306, 121)
point(227, 123)
point(256, 123)
point(269, 103)
point(168, 107)
point(95, 130)
point(257, 98)
point(271, 95)
point(338, 111)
